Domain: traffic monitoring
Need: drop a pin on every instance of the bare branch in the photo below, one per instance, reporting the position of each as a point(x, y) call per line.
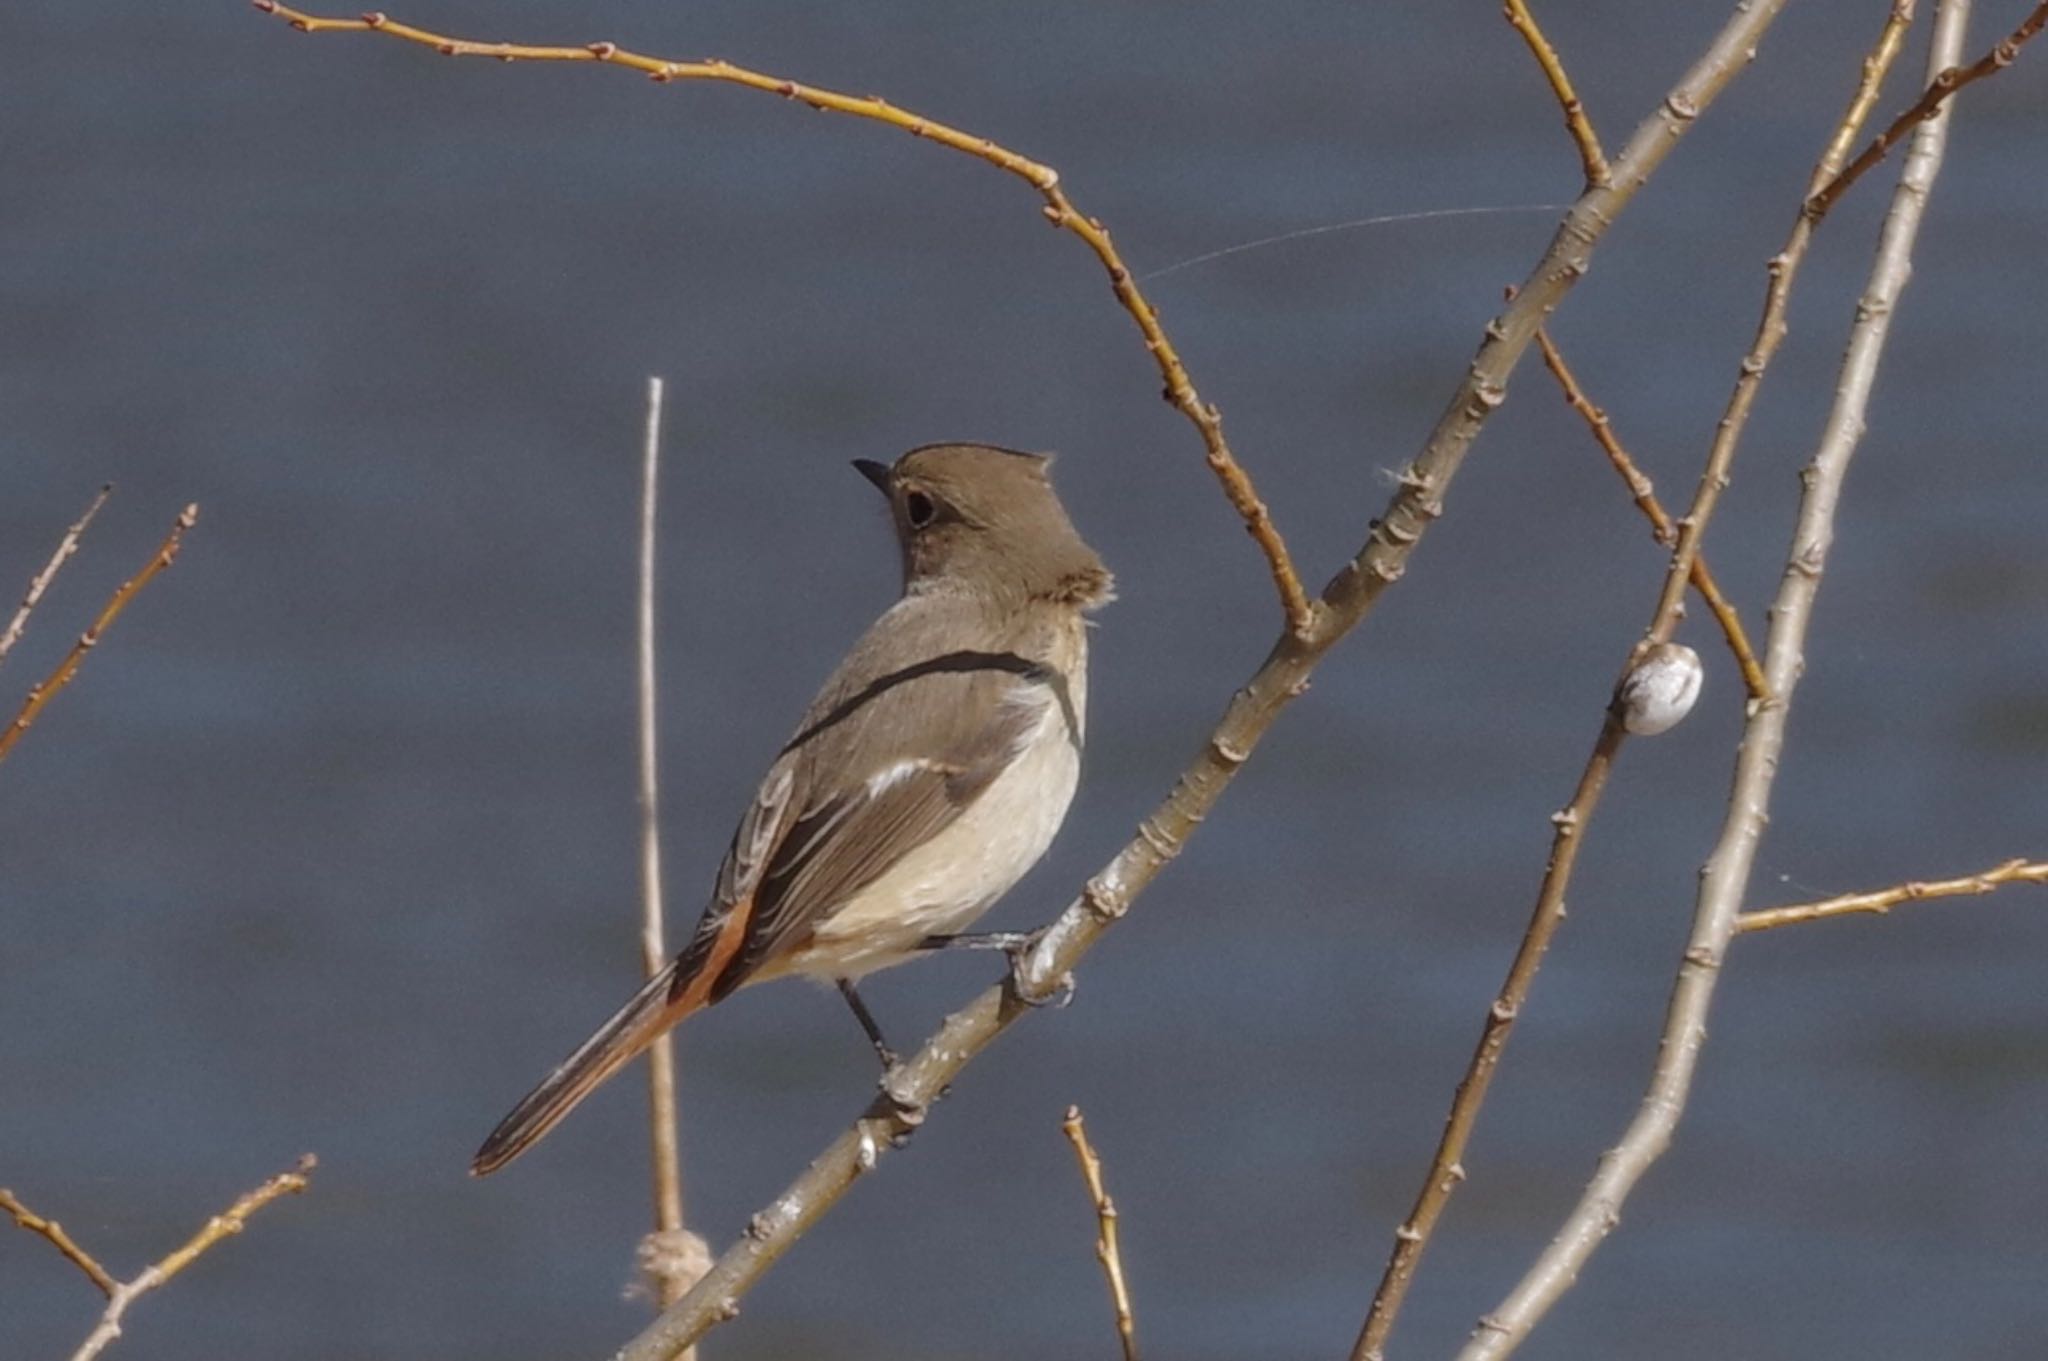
point(66, 546)
point(41, 695)
point(1771, 329)
point(1346, 601)
point(1661, 525)
point(1106, 1249)
point(1575, 120)
point(1058, 208)
point(1726, 875)
point(1939, 90)
point(1884, 900)
point(62, 1241)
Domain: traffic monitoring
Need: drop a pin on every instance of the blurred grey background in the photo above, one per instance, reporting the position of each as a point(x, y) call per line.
point(331, 847)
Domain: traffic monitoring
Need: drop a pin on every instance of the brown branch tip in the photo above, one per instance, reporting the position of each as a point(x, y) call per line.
point(1180, 391)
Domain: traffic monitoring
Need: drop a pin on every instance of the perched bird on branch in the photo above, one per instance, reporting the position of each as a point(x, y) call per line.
point(929, 774)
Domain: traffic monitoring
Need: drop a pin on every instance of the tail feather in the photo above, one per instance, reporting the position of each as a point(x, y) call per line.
point(636, 1025)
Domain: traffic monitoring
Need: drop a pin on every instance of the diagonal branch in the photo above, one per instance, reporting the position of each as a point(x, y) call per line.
point(39, 697)
point(1939, 90)
point(66, 546)
point(1285, 674)
point(1661, 524)
point(1575, 120)
point(1726, 875)
point(1884, 900)
point(1059, 210)
point(50, 1229)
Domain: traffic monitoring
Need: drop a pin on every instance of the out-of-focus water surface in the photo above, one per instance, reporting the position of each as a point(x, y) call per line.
point(331, 847)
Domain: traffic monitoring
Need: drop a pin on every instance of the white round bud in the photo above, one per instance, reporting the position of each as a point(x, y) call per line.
point(1660, 691)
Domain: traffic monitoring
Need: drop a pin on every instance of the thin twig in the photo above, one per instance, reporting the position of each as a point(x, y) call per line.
point(661, 1070)
point(121, 1294)
point(62, 1241)
point(1661, 525)
point(1771, 329)
point(166, 554)
point(1939, 90)
point(65, 548)
point(1575, 119)
point(1345, 602)
point(1725, 879)
point(1059, 210)
point(1447, 1170)
point(1884, 900)
point(1107, 1251)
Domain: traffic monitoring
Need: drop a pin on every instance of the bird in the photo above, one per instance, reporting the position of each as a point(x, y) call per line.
point(932, 770)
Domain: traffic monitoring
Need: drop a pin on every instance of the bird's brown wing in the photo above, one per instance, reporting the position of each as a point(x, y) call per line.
point(887, 757)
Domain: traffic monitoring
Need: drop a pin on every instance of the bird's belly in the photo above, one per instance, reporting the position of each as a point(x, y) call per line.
point(945, 884)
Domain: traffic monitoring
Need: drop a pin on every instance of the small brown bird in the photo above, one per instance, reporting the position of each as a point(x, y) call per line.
point(927, 776)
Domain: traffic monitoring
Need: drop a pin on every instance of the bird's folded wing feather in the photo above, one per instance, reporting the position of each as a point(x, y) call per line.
point(886, 758)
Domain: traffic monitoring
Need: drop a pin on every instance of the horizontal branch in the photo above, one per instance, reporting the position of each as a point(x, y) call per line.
point(1885, 899)
point(41, 695)
point(1058, 208)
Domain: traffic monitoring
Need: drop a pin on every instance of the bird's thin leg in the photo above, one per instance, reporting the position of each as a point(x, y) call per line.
point(1012, 943)
point(867, 1025)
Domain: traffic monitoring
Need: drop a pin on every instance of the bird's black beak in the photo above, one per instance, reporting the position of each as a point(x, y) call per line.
point(877, 473)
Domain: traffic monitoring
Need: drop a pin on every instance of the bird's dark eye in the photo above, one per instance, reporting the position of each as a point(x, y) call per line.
point(919, 509)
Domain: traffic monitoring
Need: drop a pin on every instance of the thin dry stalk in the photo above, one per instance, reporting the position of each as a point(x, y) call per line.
point(1107, 1251)
point(121, 1294)
point(1345, 602)
point(1447, 1170)
point(1939, 90)
point(661, 1070)
point(31, 707)
point(1058, 208)
point(1884, 900)
point(41, 582)
point(1662, 526)
point(1575, 120)
point(1726, 876)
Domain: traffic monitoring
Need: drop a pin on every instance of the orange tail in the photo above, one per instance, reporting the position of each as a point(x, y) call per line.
point(638, 1024)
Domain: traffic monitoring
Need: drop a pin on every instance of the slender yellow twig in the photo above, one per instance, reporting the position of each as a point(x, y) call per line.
point(1938, 92)
point(1884, 900)
point(1661, 524)
point(1106, 1249)
point(1771, 328)
point(65, 548)
point(166, 554)
point(1059, 210)
point(62, 1241)
point(1575, 120)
